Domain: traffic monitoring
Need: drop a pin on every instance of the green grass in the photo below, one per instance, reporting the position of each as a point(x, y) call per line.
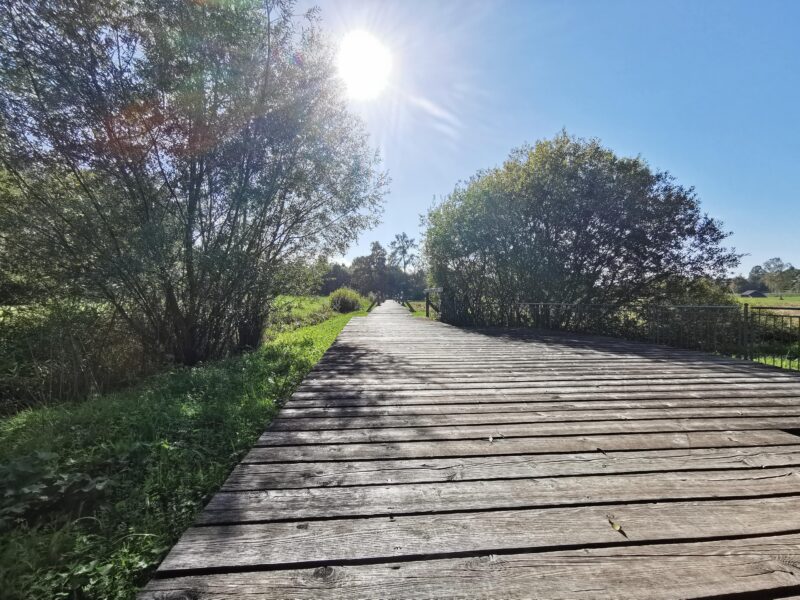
point(419, 308)
point(98, 491)
point(787, 300)
point(781, 362)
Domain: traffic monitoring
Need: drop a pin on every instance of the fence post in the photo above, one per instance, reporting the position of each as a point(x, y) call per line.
point(746, 330)
point(427, 304)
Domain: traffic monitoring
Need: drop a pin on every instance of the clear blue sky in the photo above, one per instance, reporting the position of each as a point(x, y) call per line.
point(708, 90)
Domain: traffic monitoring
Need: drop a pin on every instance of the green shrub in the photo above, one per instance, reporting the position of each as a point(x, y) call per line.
point(345, 300)
point(64, 350)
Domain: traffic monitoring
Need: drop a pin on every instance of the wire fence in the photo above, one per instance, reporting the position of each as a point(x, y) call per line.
point(760, 334)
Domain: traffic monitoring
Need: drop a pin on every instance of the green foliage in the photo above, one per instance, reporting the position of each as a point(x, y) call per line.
point(179, 161)
point(335, 277)
point(774, 275)
point(95, 493)
point(345, 300)
point(382, 275)
point(290, 312)
point(402, 251)
point(566, 220)
point(63, 350)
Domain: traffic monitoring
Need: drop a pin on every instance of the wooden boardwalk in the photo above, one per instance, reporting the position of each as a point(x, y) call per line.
point(419, 460)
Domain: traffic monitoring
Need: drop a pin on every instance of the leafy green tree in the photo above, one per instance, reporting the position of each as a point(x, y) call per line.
point(755, 279)
point(777, 275)
point(566, 220)
point(369, 273)
point(170, 158)
point(402, 251)
point(337, 276)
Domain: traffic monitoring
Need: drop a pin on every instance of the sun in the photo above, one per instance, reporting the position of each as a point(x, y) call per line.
point(364, 64)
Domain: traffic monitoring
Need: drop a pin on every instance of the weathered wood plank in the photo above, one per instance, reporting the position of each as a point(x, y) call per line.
point(530, 445)
point(290, 412)
point(423, 383)
point(467, 418)
point(530, 389)
point(413, 450)
point(309, 503)
point(384, 539)
point(502, 397)
point(248, 477)
point(766, 565)
point(402, 434)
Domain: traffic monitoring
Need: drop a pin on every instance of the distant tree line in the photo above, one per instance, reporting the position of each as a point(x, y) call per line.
point(388, 274)
point(567, 220)
point(773, 275)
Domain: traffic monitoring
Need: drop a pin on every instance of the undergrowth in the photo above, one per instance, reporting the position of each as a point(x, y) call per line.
point(96, 492)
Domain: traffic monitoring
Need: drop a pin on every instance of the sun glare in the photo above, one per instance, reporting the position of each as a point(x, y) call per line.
point(364, 64)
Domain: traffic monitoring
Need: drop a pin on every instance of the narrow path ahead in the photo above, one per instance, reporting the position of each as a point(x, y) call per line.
point(420, 460)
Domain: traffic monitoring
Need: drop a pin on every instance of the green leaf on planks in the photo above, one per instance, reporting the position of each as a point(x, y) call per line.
point(616, 526)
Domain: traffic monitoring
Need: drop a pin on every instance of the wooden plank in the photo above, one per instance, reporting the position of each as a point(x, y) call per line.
point(547, 383)
point(290, 412)
point(248, 477)
point(390, 380)
point(382, 539)
point(314, 503)
point(402, 434)
point(467, 418)
point(530, 389)
point(414, 453)
point(529, 445)
point(764, 565)
point(500, 397)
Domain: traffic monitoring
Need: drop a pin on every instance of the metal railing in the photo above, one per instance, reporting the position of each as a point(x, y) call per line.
point(754, 333)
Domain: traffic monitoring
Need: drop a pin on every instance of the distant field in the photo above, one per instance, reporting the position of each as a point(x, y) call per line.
point(789, 300)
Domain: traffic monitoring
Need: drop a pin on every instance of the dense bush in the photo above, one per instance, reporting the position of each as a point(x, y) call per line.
point(65, 351)
point(345, 300)
point(567, 220)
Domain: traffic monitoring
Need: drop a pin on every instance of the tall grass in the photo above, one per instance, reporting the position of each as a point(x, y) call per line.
point(98, 491)
point(66, 350)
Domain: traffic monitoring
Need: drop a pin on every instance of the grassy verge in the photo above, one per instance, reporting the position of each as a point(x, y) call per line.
point(97, 492)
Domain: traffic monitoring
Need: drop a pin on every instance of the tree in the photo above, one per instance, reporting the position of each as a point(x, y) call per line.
point(776, 274)
point(170, 157)
point(755, 279)
point(369, 273)
point(402, 248)
point(566, 220)
point(337, 276)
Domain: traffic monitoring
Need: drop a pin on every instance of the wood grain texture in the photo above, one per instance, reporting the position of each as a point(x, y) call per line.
point(385, 539)
point(309, 503)
point(524, 445)
point(251, 477)
point(419, 460)
point(767, 566)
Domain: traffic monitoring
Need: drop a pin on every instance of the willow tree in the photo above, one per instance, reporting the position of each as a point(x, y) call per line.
point(169, 157)
point(567, 220)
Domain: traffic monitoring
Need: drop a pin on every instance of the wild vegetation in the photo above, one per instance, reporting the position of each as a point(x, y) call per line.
point(566, 220)
point(775, 276)
point(397, 273)
point(172, 176)
point(171, 160)
point(96, 492)
point(345, 300)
